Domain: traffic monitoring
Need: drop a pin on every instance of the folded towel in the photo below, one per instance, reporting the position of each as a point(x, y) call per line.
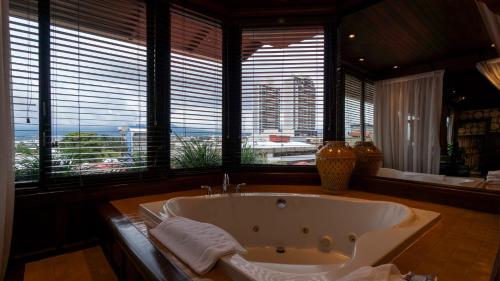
point(494, 173)
point(198, 244)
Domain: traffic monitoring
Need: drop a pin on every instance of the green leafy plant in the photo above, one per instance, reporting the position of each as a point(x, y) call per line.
point(196, 153)
point(250, 156)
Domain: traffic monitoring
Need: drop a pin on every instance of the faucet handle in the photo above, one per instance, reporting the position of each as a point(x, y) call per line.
point(208, 188)
point(240, 186)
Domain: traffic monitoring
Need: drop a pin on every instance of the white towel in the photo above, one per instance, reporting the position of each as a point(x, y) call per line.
point(494, 173)
point(385, 272)
point(198, 244)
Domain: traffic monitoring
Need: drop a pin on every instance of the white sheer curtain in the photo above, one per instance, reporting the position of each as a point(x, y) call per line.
point(491, 70)
point(407, 119)
point(6, 142)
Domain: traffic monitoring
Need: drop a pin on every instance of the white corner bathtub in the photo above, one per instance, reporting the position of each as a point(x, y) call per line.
point(430, 178)
point(300, 237)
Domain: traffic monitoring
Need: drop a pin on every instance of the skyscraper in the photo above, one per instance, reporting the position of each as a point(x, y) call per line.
point(300, 110)
point(268, 109)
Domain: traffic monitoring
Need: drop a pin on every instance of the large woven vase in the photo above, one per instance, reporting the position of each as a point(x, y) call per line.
point(335, 162)
point(369, 159)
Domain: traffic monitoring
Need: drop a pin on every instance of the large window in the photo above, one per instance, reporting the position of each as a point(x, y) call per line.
point(358, 100)
point(24, 70)
point(98, 86)
point(196, 91)
point(87, 92)
point(282, 95)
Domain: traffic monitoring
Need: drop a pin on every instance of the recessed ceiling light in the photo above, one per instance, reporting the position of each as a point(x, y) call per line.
point(396, 67)
point(352, 36)
point(361, 59)
point(492, 45)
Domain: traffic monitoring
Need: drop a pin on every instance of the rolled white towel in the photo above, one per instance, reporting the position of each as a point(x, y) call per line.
point(198, 244)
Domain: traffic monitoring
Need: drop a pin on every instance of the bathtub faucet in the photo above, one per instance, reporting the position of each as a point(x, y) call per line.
point(225, 183)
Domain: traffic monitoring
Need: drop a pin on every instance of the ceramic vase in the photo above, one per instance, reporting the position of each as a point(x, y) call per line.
point(369, 158)
point(335, 162)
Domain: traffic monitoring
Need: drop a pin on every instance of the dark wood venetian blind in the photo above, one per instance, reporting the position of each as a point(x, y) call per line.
point(196, 90)
point(23, 27)
point(98, 86)
point(282, 94)
point(352, 108)
point(369, 113)
point(358, 107)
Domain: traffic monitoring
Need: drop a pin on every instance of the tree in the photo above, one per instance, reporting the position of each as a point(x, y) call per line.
point(77, 147)
point(27, 161)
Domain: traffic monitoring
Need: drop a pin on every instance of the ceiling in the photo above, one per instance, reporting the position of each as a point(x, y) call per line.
point(469, 89)
point(408, 33)
point(277, 8)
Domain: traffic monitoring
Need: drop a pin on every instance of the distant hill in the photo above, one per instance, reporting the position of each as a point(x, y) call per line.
point(27, 132)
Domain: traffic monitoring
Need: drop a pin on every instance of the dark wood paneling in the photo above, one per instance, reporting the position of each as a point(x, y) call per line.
point(408, 33)
point(35, 230)
point(130, 253)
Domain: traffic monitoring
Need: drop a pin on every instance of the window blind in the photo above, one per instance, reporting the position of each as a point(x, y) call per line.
point(98, 86)
point(23, 28)
point(196, 90)
point(369, 99)
point(358, 92)
point(352, 107)
point(282, 95)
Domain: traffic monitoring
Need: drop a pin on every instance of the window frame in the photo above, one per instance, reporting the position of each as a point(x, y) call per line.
point(158, 98)
point(332, 83)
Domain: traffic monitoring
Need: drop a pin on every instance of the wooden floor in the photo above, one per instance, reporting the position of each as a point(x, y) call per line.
point(85, 265)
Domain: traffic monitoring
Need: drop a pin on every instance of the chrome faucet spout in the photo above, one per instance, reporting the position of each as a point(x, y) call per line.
point(225, 183)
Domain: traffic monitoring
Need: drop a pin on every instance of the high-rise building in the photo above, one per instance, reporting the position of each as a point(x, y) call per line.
point(300, 112)
point(268, 109)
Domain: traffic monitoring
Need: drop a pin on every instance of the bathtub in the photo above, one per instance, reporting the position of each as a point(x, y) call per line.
point(430, 178)
point(300, 237)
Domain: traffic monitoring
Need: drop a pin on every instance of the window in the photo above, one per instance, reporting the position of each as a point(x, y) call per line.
point(352, 109)
point(282, 95)
point(358, 99)
point(369, 99)
point(23, 27)
point(98, 86)
point(196, 90)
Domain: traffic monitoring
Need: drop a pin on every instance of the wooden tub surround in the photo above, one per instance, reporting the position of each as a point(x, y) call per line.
point(461, 246)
